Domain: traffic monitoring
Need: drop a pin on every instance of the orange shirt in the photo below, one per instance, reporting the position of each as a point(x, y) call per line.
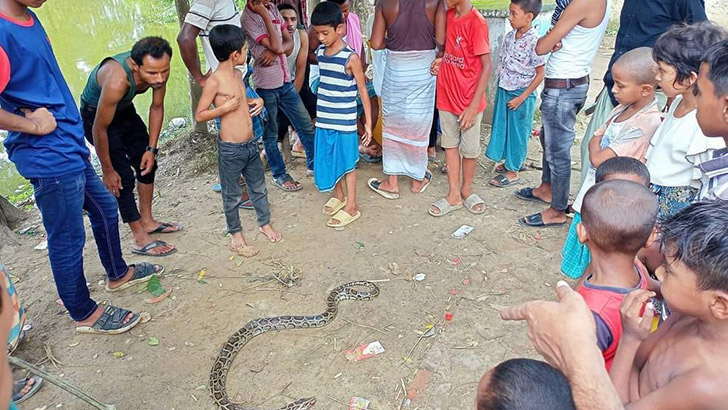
point(467, 40)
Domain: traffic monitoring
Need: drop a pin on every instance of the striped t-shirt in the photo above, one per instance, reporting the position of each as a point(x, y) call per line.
point(336, 106)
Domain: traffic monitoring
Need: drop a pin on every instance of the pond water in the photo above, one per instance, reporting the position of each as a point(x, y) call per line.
point(83, 32)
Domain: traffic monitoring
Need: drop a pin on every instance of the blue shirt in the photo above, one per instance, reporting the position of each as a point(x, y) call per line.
point(643, 21)
point(31, 78)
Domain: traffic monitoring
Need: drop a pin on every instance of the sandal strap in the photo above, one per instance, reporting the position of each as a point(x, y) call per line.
point(152, 245)
point(143, 269)
point(112, 318)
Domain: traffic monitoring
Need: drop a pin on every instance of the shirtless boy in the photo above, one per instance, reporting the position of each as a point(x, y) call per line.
point(682, 364)
point(237, 151)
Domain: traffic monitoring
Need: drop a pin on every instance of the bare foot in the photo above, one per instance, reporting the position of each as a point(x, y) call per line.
point(239, 246)
point(450, 200)
point(270, 233)
point(552, 216)
point(97, 314)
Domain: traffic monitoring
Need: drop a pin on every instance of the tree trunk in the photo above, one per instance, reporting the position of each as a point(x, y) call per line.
point(183, 6)
point(9, 218)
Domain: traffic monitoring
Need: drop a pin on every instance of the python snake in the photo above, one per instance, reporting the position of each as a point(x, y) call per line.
point(256, 327)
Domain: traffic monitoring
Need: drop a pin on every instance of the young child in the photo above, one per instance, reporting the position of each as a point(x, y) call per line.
point(618, 220)
point(336, 140)
point(682, 364)
point(463, 76)
point(679, 147)
point(521, 72)
point(524, 384)
point(627, 132)
point(712, 86)
point(237, 150)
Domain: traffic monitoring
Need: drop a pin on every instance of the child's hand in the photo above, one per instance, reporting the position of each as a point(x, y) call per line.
point(232, 103)
point(636, 324)
point(435, 67)
point(515, 103)
point(256, 106)
point(467, 118)
point(367, 137)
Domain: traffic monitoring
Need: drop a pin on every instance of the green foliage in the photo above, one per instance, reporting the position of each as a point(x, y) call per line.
point(21, 195)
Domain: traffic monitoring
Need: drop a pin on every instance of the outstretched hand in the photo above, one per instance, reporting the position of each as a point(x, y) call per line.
point(558, 330)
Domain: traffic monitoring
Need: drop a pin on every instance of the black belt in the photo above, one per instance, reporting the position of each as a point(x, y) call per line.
point(565, 83)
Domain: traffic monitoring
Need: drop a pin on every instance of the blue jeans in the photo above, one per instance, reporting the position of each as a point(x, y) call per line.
point(61, 201)
point(233, 160)
point(559, 107)
point(287, 99)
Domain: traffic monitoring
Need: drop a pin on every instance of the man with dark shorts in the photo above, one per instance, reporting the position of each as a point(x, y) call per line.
point(124, 147)
point(45, 142)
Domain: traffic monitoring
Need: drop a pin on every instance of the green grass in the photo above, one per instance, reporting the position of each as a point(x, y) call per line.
point(498, 4)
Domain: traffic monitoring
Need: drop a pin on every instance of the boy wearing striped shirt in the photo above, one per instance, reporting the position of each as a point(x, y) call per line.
point(336, 142)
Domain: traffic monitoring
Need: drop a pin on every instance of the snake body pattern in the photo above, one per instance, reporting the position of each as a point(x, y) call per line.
point(256, 327)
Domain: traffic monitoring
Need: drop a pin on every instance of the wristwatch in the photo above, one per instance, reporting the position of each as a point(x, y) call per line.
point(153, 150)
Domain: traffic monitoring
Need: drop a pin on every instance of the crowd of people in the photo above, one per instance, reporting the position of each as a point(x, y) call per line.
point(644, 326)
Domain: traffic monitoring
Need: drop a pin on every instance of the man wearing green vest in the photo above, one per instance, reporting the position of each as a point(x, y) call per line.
point(124, 147)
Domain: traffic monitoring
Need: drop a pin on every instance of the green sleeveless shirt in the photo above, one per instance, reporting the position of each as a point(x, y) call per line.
point(92, 92)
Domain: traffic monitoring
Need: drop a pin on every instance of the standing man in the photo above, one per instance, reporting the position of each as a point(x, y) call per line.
point(269, 43)
point(45, 142)
point(413, 32)
point(640, 24)
point(574, 39)
point(124, 147)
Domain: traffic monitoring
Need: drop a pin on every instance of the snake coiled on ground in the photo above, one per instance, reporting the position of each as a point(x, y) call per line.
point(256, 327)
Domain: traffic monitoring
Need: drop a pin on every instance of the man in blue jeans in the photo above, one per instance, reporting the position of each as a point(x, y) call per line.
point(269, 41)
point(574, 39)
point(46, 143)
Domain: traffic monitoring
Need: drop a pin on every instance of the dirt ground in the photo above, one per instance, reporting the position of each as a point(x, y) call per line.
point(499, 264)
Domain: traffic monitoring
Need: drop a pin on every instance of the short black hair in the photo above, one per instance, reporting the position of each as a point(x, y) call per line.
point(339, 2)
point(326, 13)
point(150, 46)
point(698, 237)
point(525, 384)
point(529, 6)
point(619, 215)
point(623, 166)
point(224, 39)
point(717, 60)
point(283, 6)
point(684, 46)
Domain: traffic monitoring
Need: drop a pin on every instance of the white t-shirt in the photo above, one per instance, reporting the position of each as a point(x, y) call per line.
point(578, 49)
point(677, 148)
point(294, 54)
point(205, 15)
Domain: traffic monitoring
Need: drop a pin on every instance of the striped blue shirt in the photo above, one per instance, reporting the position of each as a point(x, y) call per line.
point(336, 106)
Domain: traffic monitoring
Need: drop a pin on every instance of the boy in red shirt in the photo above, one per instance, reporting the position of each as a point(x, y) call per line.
point(463, 75)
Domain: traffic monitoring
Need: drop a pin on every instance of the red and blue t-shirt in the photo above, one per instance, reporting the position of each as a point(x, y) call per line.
point(30, 78)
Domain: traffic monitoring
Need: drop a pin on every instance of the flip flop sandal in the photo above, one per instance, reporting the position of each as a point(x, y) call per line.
point(111, 322)
point(536, 221)
point(527, 195)
point(443, 169)
point(217, 188)
point(374, 184)
point(428, 177)
point(298, 154)
point(444, 207)
point(246, 251)
point(472, 201)
point(247, 204)
point(144, 250)
point(287, 178)
point(344, 219)
point(20, 385)
point(500, 169)
point(165, 225)
point(335, 206)
point(142, 273)
point(501, 181)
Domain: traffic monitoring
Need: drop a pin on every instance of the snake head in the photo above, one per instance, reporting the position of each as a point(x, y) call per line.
point(302, 404)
